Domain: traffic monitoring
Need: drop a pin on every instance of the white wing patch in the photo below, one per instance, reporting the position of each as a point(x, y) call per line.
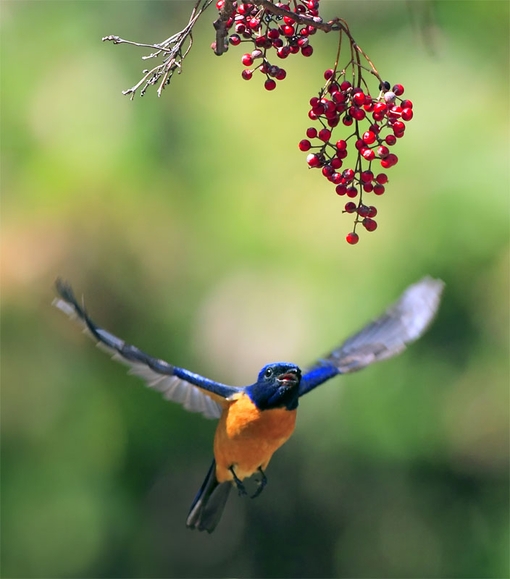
point(173, 388)
point(176, 390)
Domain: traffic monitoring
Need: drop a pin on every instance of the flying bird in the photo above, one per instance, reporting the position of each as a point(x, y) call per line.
point(255, 420)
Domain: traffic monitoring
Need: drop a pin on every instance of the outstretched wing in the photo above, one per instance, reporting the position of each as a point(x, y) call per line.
point(403, 323)
point(194, 392)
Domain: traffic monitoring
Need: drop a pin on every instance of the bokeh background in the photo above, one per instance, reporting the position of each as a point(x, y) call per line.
point(193, 228)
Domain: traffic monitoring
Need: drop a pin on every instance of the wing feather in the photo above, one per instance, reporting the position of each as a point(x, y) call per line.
point(387, 336)
point(194, 392)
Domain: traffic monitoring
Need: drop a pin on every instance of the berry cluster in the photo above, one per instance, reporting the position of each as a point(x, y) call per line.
point(377, 124)
point(267, 31)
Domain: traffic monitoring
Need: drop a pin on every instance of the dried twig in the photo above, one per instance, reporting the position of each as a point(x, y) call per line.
point(172, 49)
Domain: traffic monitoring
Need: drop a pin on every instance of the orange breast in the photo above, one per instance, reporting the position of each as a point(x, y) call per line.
point(246, 437)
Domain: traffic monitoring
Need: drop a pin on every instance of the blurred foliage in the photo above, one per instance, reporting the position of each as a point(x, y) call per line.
point(194, 230)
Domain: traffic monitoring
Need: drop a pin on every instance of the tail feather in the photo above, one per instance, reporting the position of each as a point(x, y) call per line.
point(207, 508)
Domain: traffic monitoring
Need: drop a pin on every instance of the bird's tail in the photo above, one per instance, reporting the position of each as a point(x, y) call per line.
point(207, 508)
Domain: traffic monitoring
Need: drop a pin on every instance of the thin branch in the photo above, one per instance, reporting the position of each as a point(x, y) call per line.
point(221, 44)
point(172, 50)
point(316, 21)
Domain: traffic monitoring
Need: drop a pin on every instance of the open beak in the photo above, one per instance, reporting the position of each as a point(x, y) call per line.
point(290, 378)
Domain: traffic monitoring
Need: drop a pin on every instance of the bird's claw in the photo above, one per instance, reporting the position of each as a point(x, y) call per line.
point(261, 484)
point(241, 489)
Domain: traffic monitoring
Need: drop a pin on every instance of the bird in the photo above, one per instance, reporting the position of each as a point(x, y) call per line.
point(255, 420)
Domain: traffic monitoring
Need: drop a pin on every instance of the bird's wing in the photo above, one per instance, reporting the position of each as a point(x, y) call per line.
point(403, 323)
point(194, 392)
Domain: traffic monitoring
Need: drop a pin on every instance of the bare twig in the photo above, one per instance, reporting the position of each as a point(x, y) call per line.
point(172, 49)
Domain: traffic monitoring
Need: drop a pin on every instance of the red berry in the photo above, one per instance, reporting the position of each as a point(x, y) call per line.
point(247, 60)
point(395, 111)
point(382, 151)
point(399, 127)
point(356, 113)
point(235, 39)
point(311, 132)
point(359, 99)
point(407, 114)
point(270, 84)
point(352, 192)
point(335, 178)
point(372, 211)
point(368, 154)
point(369, 137)
point(244, 9)
point(382, 178)
point(307, 50)
point(313, 160)
point(392, 159)
point(350, 207)
point(341, 189)
point(336, 163)
point(352, 238)
point(254, 23)
point(367, 176)
point(379, 189)
point(380, 107)
point(328, 73)
point(360, 144)
point(304, 145)
point(314, 101)
point(324, 135)
point(363, 211)
point(273, 33)
point(327, 170)
point(348, 174)
point(368, 187)
point(341, 145)
point(287, 30)
point(247, 74)
point(369, 224)
point(347, 120)
point(390, 140)
point(406, 104)
point(281, 74)
point(338, 97)
point(345, 85)
point(398, 89)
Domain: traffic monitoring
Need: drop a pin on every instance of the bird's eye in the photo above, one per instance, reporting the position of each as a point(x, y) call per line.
point(268, 373)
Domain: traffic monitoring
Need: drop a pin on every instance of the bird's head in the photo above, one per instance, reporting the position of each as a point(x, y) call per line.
point(277, 386)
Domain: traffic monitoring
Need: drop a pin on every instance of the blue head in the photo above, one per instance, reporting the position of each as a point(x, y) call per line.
point(277, 386)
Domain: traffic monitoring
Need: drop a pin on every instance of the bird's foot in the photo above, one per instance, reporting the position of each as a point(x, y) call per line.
point(260, 484)
point(241, 489)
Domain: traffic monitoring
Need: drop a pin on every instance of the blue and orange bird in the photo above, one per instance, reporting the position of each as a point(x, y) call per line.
point(254, 421)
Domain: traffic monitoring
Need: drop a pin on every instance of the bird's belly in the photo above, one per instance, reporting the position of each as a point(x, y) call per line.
point(246, 437)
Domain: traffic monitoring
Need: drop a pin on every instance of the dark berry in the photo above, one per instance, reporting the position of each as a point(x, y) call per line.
point(270, 84)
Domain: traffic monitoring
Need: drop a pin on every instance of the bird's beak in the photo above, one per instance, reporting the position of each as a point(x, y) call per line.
point(290, 378)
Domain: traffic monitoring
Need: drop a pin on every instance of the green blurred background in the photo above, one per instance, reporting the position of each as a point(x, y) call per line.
point(194, 230)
